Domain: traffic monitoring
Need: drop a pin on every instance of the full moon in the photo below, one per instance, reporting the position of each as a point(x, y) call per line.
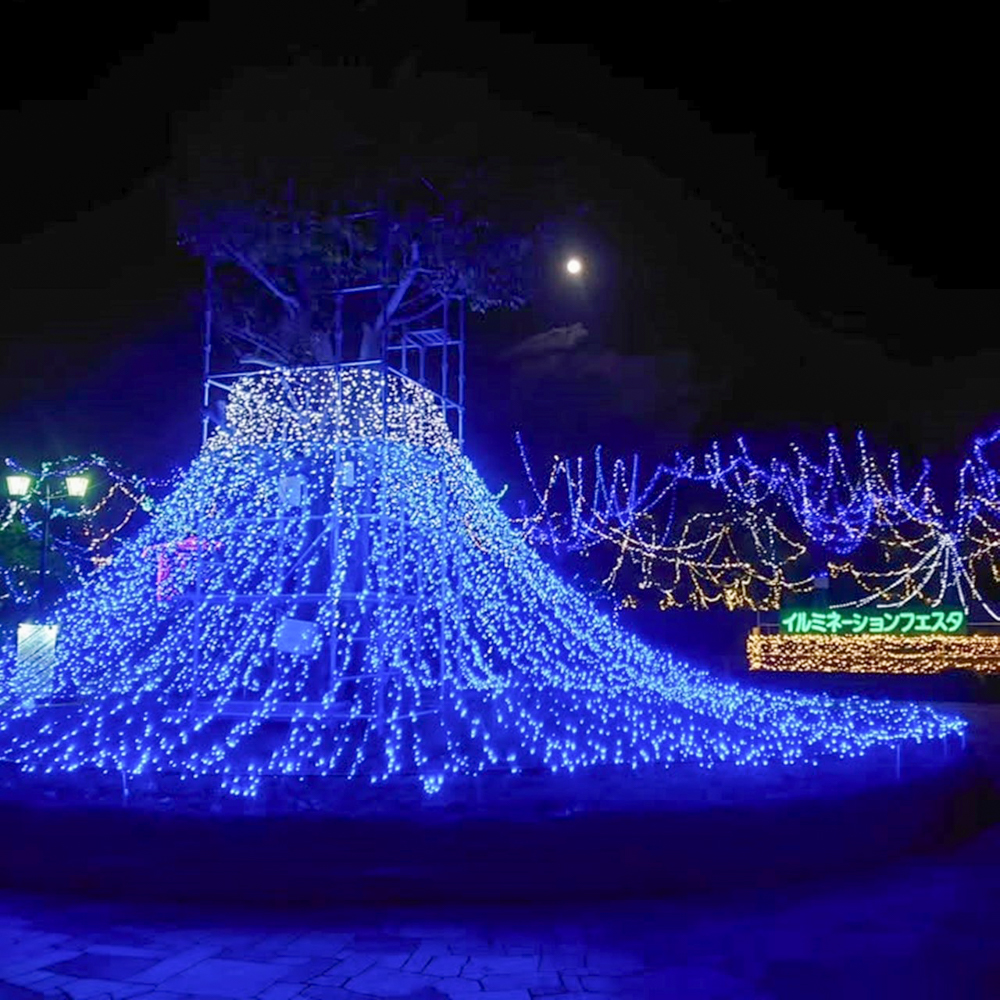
point(574, 265)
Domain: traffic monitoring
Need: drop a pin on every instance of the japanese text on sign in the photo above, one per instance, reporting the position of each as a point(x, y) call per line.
point(889, 622)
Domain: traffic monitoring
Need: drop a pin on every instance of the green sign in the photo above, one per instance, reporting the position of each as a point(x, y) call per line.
point(882, 623)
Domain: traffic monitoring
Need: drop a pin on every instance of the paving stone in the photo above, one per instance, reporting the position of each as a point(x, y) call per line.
point(571, 982)
point(682, 981)
point(177, 939)
point(521, 981)
point(613, 963)
point(136, 937)
point(303, 972)
point(175, 963)
point(445, 965)
point(36, 940)
point(224, 977)
point(246, 953)
point(419, 959)
point(454, 986)
point(51, 982)
point(167, 995)
point(82, 989)
point(37, 960)
point(279, 942)
point(388, 982)
point(25, 981)
point(384, 942)
point(14, 991)
point(606, 984)
point(351, 965)
point(126, 951)
point(281, 991)
point(508, 995)
point(386, 959)
point(473, 946)
point(543, 991)
point(431, 931)
point(785, 978)
point(560, 961)
point(319, 945)
point(224, 938)
point(328, 981)
point(328, 993)
point(94, 965)
point(483, 965)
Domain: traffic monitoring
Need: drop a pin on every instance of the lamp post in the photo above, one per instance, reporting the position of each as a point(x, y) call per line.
point(24, 487)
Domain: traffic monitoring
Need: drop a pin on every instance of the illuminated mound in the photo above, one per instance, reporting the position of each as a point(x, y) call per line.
point(332, 589)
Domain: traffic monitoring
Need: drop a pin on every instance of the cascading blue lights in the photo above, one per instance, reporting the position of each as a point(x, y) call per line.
point(331, 589)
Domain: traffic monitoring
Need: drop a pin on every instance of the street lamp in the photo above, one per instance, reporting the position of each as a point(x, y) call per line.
point(22, 486)
point(18, 486)
point(574, 265)
point(76, 486)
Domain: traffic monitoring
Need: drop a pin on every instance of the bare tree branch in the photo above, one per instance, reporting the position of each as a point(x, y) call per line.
point(370, 339)
point(401, 289)
point(257, 341)
point(289, 301)
point(423, 312)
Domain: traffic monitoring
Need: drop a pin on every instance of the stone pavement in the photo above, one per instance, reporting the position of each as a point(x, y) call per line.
point(922, 928)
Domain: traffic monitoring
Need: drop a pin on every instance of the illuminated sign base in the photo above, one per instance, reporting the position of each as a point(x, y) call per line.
point(873, 654)
point(36, 660)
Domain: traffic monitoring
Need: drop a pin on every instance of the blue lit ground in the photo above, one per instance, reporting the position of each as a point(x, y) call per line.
point(917, 929)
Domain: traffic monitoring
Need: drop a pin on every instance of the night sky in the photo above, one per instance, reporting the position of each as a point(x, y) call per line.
point(791, 221)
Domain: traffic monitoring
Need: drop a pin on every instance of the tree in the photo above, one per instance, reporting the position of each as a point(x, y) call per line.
point(278, 270)
point(335, 184)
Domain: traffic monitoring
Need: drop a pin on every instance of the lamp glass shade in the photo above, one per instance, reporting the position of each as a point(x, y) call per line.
point(18, 485)
point(76, 486)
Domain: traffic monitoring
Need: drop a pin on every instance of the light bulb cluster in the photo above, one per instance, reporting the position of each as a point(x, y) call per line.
point(726, 529)
point(353, 601)
point(873, 653)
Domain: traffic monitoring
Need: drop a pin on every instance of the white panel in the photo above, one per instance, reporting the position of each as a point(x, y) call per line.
point(36, 660)
point(290, 490)
point(296, 636)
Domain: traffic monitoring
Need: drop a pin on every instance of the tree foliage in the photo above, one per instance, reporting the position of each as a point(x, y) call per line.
point(336, 184)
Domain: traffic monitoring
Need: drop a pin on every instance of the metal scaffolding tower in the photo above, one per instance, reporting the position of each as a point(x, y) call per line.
point(357, 549)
